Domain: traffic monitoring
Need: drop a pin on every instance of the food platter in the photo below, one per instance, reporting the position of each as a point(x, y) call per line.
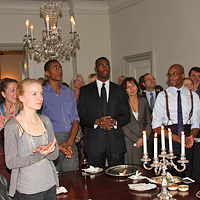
point(158, 179)
point(121, 170)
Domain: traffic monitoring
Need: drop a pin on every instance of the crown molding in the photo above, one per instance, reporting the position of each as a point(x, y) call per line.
point(124, 5)
point(33, 7)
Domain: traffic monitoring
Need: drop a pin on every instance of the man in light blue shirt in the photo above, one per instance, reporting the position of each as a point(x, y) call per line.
point(60, 106)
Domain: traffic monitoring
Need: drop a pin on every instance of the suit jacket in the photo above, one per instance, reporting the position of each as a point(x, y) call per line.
point(143, 94)
point(90, 109)
point(133, 131)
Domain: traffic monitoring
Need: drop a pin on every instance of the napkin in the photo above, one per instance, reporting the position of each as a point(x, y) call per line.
point(170, 176)
point(136, 176)
point(91, 169)
point(188, 179)
point(142, 186)
point(61, 189)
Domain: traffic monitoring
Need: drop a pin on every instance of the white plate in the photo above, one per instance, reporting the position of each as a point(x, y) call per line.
point(93, 171)
point(142, 186)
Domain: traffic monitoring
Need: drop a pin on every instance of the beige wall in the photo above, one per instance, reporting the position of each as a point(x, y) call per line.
point(92, 24)
point(170, 28)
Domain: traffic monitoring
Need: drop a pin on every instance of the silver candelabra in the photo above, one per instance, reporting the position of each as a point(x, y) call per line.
point(162, 164)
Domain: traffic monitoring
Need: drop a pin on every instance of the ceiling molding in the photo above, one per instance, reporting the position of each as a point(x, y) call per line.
point(124, 5)
point(90, 12)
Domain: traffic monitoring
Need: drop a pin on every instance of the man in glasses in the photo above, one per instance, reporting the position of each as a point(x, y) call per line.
point(194, 74)
point(150, 92)
point(178, 108)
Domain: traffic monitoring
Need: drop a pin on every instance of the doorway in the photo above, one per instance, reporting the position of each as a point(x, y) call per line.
point(13, 61)
point(139, 64)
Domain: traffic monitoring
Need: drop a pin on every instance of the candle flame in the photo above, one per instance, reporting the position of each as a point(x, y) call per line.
point(169, 130)
point(155, 135)
point(72, 19)
point(54, 27)
point(47, 18)
point(31, 27)
point(27, 22)
point(162, 127)
point(144, 132)
point(182, 133)
point(74, 23)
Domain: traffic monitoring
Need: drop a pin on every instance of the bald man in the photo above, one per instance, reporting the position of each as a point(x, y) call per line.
point(189, 103)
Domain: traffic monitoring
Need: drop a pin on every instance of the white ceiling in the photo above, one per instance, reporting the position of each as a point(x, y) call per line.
point(110, 3)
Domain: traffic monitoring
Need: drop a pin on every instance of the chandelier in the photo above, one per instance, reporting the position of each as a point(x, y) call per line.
point(52, 46)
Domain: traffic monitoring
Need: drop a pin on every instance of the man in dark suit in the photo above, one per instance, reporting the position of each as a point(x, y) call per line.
point(103, 109)
point(150, 92)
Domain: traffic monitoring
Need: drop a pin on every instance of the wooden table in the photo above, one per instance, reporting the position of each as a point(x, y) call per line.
point(101, 186)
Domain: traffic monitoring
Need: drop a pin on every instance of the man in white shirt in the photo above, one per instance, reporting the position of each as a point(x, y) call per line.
point(169, 117)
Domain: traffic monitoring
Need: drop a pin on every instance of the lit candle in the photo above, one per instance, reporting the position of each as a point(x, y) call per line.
point(170, 139)
point(71, 20)
point(155, 145)
point(163, 137)
point(27, 25)
point(182, 142)
point(74, 23)
point(31, 27)
point(144, 141)
point(47, 20)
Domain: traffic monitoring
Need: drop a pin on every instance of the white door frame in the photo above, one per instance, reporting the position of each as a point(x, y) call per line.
point(139, 57)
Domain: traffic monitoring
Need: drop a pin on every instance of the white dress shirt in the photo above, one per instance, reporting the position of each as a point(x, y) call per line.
point(160, 114)
point(107, 87)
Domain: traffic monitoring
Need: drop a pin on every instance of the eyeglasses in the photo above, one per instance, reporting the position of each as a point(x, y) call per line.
point(173, 74)
point(150, 79)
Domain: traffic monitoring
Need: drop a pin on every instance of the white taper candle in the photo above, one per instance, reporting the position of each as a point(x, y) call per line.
point(144, 141)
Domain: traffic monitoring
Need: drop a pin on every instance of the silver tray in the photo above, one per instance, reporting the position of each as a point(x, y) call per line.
point(119, 169)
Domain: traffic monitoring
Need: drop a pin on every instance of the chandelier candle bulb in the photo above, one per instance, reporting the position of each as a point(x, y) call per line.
point(170, 139)
point(182, 142)
point(27, 26)
point(72, 20)
point(74, 23)
point(163, 137)
point(144, 141)
point(47, 20)
point(155, 145)
point(31, 27)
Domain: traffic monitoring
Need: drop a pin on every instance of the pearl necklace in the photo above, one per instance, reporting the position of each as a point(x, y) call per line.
point(31, 139)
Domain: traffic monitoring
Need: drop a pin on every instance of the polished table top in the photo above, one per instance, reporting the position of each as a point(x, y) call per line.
point(82, 186)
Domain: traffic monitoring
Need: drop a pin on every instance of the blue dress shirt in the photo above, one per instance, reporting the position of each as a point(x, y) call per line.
point(61, 109)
